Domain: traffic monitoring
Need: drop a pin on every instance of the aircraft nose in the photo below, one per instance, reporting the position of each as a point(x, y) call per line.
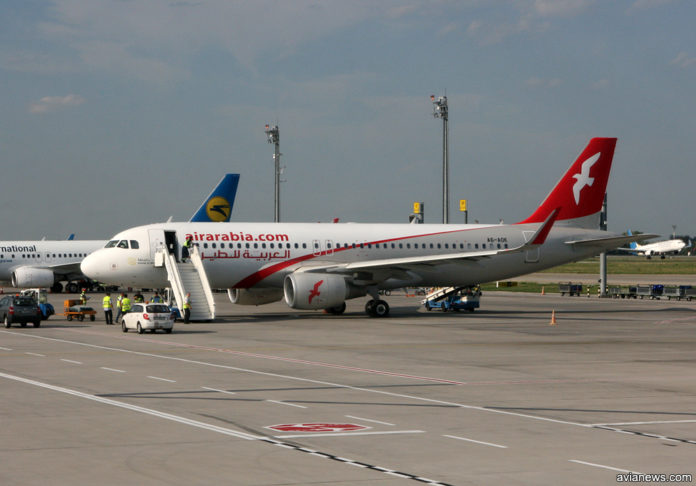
point(93, 266)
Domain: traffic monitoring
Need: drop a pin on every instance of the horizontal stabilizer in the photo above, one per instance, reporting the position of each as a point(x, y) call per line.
point(611, 242)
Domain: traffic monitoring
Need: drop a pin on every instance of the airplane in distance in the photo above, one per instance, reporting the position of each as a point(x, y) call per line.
point(46, 263)
point(320, 266)
point(658, 248)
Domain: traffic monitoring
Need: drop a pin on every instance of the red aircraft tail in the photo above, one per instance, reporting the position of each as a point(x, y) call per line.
point(580, 192)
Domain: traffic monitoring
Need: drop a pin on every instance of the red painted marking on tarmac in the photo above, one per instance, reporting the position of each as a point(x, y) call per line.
point(320, 427)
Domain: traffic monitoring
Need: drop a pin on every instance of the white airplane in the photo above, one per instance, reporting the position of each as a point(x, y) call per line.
point(320, 266)
point(45, 263)
point(658, 248)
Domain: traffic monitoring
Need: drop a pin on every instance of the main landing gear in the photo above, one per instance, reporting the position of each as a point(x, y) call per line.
point(377, 308)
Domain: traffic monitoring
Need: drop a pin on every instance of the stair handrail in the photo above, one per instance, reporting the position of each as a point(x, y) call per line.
point(174, 277)
point(195, 256)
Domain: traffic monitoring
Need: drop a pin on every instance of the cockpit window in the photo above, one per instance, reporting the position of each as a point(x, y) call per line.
point(134, 244)
point(111, 244)
point(122, 244)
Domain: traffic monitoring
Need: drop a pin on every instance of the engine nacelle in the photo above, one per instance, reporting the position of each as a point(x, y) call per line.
point(317, 291)
point(24, 277)
point(254, 296)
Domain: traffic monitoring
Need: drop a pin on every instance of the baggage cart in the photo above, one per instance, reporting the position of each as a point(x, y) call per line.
point(569, 288)
point(74, 309)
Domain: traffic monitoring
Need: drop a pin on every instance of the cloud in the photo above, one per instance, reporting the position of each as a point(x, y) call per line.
point(54, 103)
point(560, 8)
point(683, 60)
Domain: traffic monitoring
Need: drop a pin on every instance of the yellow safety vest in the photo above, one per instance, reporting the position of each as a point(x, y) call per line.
point(107, 303)
point(125, 304)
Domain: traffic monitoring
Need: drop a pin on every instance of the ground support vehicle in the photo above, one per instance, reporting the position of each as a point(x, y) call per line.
point(40, 296)
point(453, 299)
point(151, 317)
point(74, 309)
point(19, 309)
point(569, 288)
point(690, 293)
point(623, 292)
point(650, 291)
point(678, 293)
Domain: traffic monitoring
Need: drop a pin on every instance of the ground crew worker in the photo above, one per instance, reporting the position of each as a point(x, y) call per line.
point(186, 250)
point(138, 298)
point(156, 299)
point(83, 297)
point(119, 301)
point(125, 305)
point(108, 306)
point(187, 308)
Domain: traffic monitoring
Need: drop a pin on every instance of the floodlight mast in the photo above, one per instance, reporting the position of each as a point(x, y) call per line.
point(440, 110)
point(273, 135)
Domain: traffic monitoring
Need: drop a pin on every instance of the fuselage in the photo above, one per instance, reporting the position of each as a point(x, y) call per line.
point(43, 254)
point(249, 255)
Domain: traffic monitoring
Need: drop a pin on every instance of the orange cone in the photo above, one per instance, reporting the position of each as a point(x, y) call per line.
point(553, 318)
point(543, 292)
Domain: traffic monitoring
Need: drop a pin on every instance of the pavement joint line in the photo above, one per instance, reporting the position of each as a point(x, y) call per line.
point(209, 427)
point(648, 423)
point(5, 349)
point(218, 390)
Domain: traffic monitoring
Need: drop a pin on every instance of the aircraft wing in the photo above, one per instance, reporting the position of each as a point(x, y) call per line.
point(398, 265)
point(611, 241)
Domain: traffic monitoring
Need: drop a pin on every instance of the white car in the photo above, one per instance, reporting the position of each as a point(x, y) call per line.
point(148, 316)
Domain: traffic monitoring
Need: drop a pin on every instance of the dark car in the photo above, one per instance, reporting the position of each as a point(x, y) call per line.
point(19, 309)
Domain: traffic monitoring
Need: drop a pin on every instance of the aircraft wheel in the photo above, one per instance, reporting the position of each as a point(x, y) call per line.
point(380, 309)
point(91, 318)
point(57, 288)
point(369, 307)
point(72, 288)
point(37, 324)
point(123, 326)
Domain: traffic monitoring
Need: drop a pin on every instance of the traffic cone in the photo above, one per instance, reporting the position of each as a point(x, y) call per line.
point(553, 318)
point(543, 292)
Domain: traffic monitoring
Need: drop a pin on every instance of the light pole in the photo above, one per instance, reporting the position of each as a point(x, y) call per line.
point(440, 110)
point(273, 135)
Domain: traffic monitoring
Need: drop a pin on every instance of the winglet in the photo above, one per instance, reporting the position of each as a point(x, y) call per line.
point(540, 236)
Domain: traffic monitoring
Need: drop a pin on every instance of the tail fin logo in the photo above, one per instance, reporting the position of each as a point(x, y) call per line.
point(583, 178)
point(315, 291)
point(218, 209)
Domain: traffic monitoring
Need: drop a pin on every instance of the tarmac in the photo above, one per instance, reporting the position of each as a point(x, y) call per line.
point(271, 396)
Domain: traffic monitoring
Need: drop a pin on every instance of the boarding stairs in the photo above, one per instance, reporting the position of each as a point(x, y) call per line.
point(189, 277)
point(440, 294)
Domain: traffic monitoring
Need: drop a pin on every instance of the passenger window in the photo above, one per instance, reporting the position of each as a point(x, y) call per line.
point(134, 244)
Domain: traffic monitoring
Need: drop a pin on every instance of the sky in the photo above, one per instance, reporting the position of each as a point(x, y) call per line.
point(118, 113)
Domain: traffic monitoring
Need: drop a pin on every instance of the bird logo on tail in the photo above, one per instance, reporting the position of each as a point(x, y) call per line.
point(583, 177)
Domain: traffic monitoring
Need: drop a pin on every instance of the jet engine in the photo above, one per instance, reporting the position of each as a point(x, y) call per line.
point(318, 290)
point(32, 277)
point(254, 296)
